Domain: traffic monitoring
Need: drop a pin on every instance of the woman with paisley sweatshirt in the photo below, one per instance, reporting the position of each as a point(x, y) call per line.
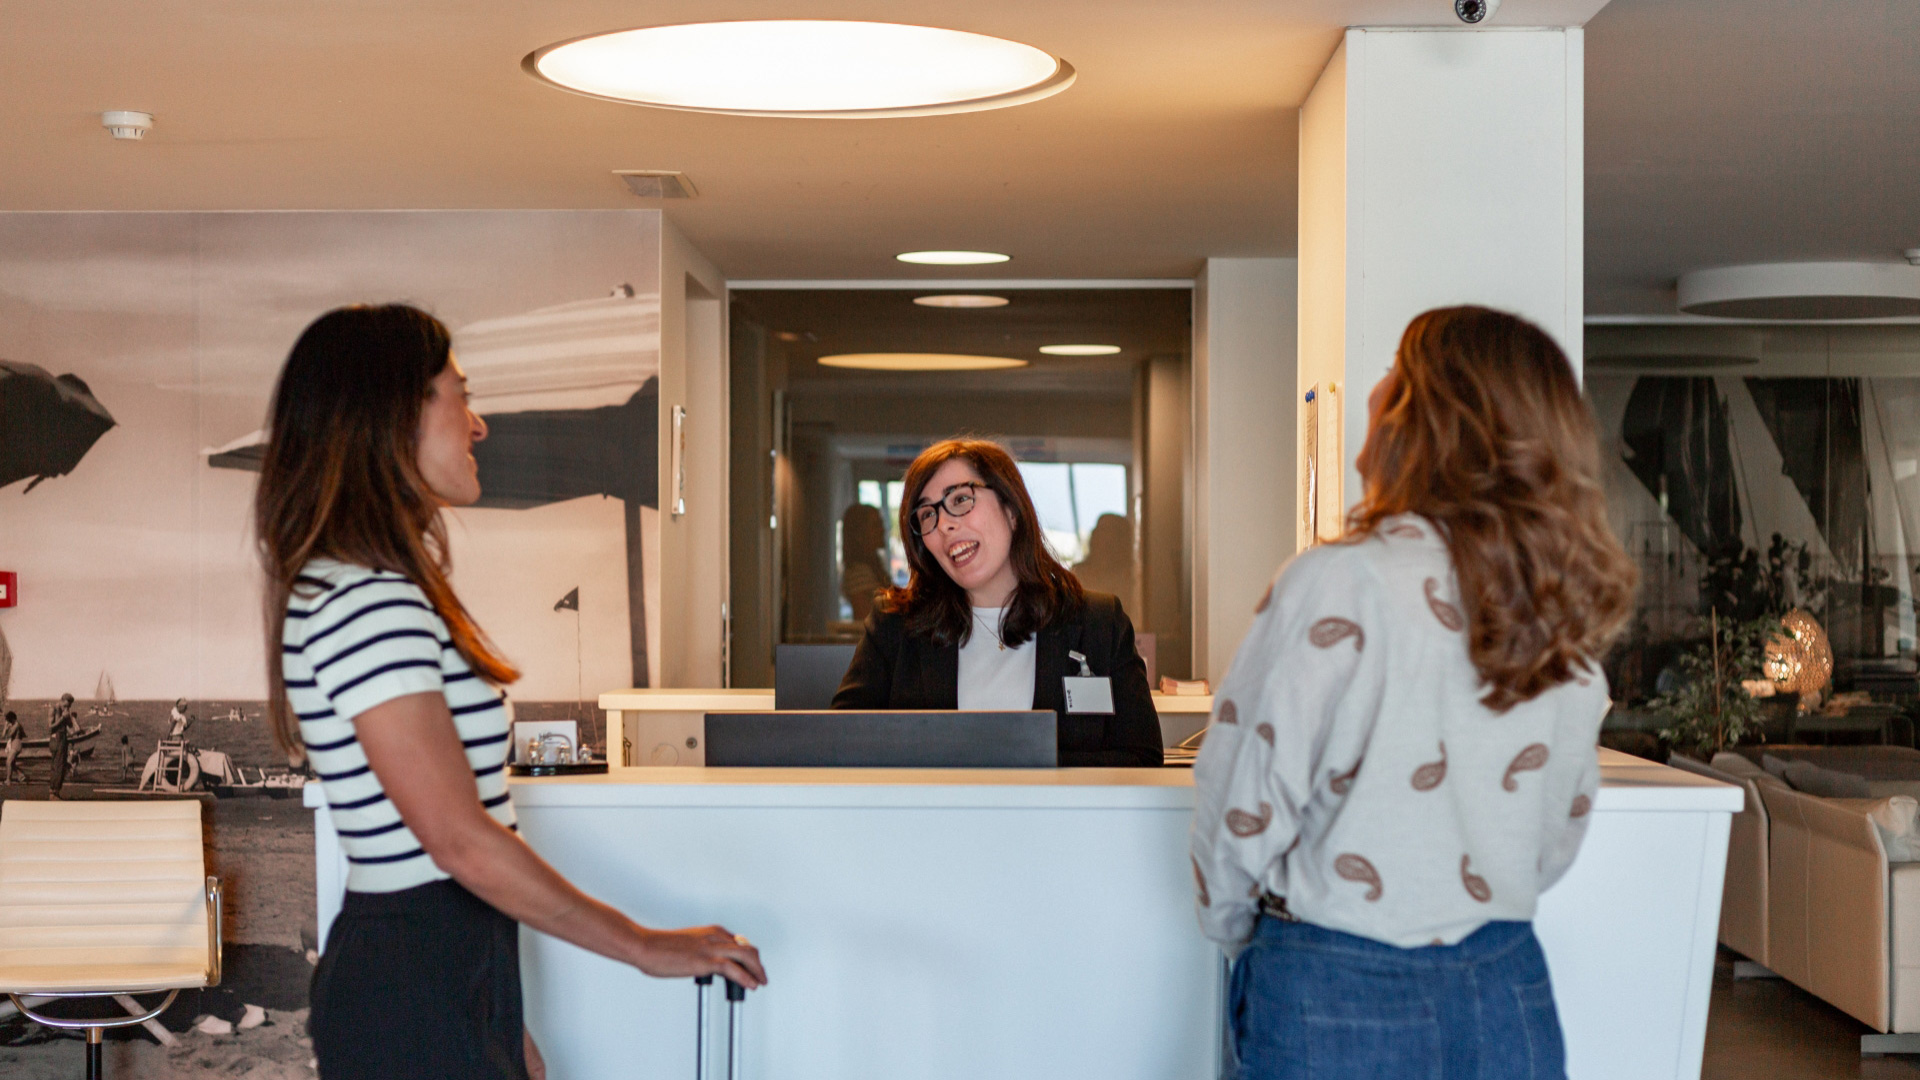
point(1402, 756)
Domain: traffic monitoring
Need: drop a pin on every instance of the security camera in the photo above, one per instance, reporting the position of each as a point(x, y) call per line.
point(1474, 11)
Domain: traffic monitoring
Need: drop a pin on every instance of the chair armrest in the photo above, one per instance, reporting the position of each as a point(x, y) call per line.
point(214, 950)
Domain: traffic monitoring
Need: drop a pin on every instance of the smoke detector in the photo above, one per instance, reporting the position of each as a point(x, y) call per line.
point(126, 124)
point(657, 183)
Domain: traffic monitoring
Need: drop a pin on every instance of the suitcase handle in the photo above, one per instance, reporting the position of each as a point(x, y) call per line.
point(736, 996)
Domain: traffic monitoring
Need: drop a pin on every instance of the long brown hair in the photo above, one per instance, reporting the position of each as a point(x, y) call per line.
point(932, 604)
point(1482, 430)
point(340, 480)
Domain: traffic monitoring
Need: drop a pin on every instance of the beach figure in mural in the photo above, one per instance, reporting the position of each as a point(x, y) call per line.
point(863, 566)
point(12, 736)
point(62, 723)
point(379, 672)
point(179, 720)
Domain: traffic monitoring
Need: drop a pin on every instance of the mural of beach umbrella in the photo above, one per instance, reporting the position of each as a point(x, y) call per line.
point(571, 395)
point(47, 423)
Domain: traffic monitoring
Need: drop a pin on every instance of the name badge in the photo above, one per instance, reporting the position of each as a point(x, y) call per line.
point(1089, 695)
point(1086, 692)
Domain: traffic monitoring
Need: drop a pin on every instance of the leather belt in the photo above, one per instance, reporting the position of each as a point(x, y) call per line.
point(1275, 907)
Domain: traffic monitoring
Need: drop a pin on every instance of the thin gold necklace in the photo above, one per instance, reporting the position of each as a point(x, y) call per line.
point(997, 639)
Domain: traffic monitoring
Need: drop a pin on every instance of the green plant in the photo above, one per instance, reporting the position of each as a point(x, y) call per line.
point(1711, 709)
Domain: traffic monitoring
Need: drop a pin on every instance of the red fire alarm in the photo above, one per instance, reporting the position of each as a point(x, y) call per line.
point(9, 588)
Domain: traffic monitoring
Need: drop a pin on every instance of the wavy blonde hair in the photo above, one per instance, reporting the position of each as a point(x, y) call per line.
point(1482, 430)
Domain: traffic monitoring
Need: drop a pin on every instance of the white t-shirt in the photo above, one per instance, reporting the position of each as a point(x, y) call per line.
point(994, 675)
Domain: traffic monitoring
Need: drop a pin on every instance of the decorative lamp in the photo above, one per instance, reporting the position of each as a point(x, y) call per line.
point(1799, 660)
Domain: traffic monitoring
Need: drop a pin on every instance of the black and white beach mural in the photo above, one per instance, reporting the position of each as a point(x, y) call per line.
point(137, 355)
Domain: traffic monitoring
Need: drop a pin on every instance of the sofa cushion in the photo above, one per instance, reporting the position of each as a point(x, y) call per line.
point(1735, 765)
point(1825, 783)
point(1894, 819)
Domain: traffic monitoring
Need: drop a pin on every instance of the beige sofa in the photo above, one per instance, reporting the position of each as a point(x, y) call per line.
point(1812, 895)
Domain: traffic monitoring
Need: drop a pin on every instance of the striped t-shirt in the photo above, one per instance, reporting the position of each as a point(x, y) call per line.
point(356, 638)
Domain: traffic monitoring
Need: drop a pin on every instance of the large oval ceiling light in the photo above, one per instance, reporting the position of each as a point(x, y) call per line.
point(952, 258)
point(1833, 290)
point(803, 68)
point(920, 362)
point(960, 300)
point(1079, 350)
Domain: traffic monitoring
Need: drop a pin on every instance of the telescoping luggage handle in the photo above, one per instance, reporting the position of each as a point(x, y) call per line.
point(736, 996)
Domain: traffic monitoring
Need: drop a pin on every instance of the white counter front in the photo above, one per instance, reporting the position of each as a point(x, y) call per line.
point(967, 924)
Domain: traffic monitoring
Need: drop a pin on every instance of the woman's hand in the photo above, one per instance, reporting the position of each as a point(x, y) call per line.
point(700, 950)
point(414, 749)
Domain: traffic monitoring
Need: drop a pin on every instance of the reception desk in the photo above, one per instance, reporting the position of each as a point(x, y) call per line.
point(967, 924)
point(664, 727)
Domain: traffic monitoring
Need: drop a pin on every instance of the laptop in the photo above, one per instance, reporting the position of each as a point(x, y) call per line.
point(925, 739)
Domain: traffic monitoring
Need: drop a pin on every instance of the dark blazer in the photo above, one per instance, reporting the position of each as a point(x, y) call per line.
point(893, 669)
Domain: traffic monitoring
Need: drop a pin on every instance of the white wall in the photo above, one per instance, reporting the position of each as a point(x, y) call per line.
point(1244, 379)
point(1438, 167)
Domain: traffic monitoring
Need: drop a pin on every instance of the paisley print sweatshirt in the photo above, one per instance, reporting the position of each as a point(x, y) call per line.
point(1351, 768)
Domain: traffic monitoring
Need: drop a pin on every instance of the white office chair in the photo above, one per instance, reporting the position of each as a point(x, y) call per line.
point(104, 900)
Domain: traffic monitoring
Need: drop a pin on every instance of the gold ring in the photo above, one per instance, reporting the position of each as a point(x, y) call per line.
point(741, 940)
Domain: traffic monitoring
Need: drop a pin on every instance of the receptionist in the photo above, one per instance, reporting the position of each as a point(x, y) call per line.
point(990, 620)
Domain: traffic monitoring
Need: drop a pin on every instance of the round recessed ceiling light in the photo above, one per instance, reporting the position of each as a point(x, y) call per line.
point(920, 362)
point(1834, 290)
point(960, 300)
point(1079, 350)
point(952, 258)
point(803, 67)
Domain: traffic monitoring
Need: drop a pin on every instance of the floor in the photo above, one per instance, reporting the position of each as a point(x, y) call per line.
point(1763, 1029)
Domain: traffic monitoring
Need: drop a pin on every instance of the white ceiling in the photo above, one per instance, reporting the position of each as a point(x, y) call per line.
point(1718, 130)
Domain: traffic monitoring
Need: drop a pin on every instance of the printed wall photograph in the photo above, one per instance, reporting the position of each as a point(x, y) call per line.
point(138, 353)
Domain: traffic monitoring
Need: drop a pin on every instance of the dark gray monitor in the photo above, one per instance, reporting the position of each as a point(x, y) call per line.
point(929, 739)
point(806, 676)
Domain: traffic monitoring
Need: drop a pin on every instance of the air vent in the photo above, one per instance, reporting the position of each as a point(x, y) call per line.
point(657, 183)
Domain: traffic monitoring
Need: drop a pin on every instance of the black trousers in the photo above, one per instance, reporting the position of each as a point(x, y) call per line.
point(422, 984)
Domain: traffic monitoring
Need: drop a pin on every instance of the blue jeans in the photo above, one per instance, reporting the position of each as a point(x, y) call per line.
point(1308, 1003)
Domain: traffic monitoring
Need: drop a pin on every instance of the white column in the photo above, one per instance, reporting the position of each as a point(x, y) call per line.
point(1244, 464)
point(1437, 167)
point(685, 627)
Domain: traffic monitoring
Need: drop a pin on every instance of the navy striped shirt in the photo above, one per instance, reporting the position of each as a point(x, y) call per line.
point(356, 638)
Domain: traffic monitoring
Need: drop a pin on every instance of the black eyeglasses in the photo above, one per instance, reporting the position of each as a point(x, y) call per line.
point(958, 503)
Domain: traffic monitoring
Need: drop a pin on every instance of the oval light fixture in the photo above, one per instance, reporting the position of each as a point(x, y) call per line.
point(952, 258)
point(1832, 290)
point(960, 300)
point(920, 362)
point(803, 68)
point(1079, 350)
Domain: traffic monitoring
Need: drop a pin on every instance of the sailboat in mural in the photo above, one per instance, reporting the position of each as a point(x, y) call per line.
point(103, 697)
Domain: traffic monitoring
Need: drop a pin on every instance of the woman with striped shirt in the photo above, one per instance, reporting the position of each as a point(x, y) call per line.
point(382, 678)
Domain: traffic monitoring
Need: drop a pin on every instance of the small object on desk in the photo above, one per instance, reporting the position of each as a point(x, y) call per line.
point(1184, 687)
point(575, 768)
point(1185, 751)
